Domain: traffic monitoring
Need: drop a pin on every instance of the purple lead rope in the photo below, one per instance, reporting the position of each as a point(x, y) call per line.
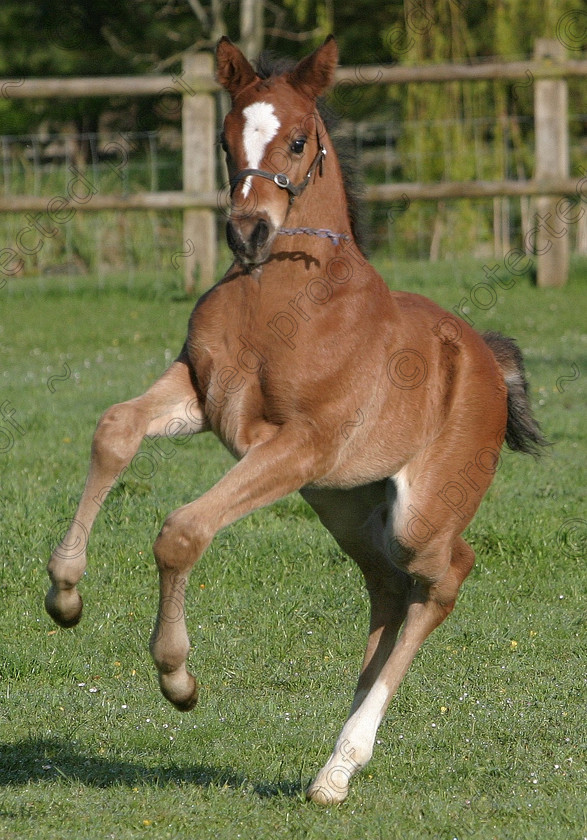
point(323, 233)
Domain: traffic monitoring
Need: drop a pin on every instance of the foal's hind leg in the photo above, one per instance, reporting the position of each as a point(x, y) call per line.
point(426, 606)
point(356, 518)
point(169, 407)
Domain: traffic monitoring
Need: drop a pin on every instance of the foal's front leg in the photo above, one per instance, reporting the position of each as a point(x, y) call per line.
point(169, 407)
point(268, 472)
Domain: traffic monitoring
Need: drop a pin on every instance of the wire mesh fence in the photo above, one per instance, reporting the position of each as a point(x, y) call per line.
point(46, 165)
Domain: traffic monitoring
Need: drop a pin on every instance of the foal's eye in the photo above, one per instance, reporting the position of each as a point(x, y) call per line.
point(223, 143)
point(297, 146)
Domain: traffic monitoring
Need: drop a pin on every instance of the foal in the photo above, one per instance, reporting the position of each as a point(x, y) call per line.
point(383, 410)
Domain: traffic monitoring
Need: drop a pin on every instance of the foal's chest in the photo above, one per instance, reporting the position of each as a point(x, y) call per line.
point(234, 367)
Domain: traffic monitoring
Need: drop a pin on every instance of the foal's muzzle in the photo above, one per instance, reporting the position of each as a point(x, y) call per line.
point(250, 240)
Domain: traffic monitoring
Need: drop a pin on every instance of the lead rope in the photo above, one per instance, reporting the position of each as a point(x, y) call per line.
point(323, 233)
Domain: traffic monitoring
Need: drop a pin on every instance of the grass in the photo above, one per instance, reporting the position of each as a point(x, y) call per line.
point(485, 737)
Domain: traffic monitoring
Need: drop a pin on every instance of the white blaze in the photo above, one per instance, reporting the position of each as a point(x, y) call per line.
point(261, 126)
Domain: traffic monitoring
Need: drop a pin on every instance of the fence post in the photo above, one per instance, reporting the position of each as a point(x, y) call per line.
point(552, 161)
point(199, 168)
point(251, 27)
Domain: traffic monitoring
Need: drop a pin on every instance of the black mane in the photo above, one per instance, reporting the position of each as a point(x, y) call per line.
point(268, 65)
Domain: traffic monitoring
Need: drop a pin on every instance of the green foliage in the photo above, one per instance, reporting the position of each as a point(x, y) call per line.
point(482, 741)
point(96, 37)
point(87, 38)
point(456, 131)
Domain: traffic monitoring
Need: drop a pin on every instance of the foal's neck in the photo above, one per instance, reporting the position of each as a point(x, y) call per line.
point(323, 206)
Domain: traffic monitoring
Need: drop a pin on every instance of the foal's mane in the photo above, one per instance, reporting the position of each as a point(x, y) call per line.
point(268, 65)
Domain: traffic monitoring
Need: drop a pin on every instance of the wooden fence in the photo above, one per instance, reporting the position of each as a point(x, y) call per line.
point(199, 198)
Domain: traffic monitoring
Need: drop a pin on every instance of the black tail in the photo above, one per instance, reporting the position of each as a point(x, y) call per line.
point(523, 434)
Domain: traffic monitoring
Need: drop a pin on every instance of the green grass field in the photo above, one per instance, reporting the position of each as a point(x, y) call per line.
point(485, 737)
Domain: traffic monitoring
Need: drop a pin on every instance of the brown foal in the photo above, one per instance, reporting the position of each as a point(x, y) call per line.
point(386, 412)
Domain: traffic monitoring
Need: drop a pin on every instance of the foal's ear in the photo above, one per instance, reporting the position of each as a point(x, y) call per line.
point(315, 73)
point(233, 71)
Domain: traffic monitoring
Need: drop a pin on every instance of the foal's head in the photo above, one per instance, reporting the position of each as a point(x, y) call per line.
point(272, 139)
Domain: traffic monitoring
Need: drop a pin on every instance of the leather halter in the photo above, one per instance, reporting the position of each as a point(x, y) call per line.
point(281, 179)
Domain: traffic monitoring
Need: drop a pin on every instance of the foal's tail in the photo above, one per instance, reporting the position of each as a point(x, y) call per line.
point(523, 433)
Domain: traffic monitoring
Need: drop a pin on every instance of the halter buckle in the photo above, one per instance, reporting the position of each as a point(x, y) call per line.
point(321, 159)
point(282, 180)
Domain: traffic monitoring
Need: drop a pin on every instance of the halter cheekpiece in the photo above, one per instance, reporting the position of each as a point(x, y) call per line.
point(283, 182)
point(281, 179)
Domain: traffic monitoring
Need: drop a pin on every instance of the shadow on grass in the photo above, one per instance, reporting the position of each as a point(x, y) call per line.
point(50, 759)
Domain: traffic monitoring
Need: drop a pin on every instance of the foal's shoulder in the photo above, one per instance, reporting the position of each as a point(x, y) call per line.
point(412, 303)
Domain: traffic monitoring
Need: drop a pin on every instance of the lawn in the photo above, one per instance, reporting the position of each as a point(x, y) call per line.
point(485, 738)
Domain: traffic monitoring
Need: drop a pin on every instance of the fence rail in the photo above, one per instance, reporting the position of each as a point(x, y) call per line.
point(181, 200)
point(197, 86)
point(367, 74)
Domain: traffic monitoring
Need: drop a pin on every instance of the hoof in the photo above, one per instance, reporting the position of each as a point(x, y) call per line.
point(180, 690)
point(64, 606)
point(322, 795)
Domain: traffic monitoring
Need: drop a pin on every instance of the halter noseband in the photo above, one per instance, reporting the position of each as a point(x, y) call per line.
point(281, 179)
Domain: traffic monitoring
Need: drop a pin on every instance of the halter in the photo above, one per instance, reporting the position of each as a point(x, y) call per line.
point(281, 179)
point(294, 190)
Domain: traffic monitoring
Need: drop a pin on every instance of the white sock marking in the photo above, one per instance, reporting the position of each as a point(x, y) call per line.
point(261, 126)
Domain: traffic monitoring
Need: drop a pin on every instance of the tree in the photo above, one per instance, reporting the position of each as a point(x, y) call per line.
point(94, 38)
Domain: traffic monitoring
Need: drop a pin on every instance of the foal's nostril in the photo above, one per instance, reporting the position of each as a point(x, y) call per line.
point(248, 239)
point(232, 236)
point(260, 234)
